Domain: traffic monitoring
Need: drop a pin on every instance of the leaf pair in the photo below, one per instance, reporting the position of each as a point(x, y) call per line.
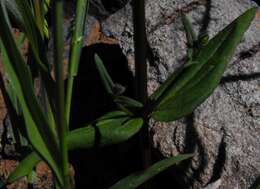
point(191, 85)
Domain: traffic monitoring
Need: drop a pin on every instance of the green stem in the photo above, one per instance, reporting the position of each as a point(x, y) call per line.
point(58, 68)
point(76, 44)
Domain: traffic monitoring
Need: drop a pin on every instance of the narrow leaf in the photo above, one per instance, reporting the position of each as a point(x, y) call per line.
point(106, 79)
point(136, 179)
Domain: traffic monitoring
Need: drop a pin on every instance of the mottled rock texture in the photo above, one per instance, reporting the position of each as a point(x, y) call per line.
point(223, 132)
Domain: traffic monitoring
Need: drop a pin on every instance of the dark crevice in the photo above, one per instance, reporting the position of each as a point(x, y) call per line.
point(99, 168)
point(257, 2)
point(90, 99)
point(249, 52)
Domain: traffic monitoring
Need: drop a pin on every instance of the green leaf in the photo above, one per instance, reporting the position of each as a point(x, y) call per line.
point(24, 167)
point(106, 79)
point(105, 132)
point(38, 129)
point(136, 179)
point(192, 85)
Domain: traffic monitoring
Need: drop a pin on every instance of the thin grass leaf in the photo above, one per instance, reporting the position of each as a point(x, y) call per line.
point(24, 167)
point(182, 94)
point(137, 179)
point(39, 15)
point(31, 31)
point(106, 79)
point(38, 129)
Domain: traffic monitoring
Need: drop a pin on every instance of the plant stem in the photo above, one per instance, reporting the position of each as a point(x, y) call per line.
point(58, 66)
point(140, 45)
point(76, 44)
point(140, 50)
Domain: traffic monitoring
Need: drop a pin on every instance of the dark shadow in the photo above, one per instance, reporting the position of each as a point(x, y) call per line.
point(113, 6)
point(219, 163)
point(257, 2)
point(255, 184)
point(103, 8)
point(248, 53)
point(242, 77)
point(99, 168)
point(90, 99)
point(206, 19)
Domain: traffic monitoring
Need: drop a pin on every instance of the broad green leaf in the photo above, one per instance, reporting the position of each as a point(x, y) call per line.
point(136, 179)
point(24, 167)
point(37, 126)
point(184, 91)
point(103, 133)
point(106, 79)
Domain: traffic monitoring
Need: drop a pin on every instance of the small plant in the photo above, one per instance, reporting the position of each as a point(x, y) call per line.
point(46, 121)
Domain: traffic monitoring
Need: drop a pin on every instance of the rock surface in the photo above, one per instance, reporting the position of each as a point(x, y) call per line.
point(223, 132)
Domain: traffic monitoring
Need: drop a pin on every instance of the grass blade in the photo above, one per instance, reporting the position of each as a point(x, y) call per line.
point(136, 179)
point(38, 129)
